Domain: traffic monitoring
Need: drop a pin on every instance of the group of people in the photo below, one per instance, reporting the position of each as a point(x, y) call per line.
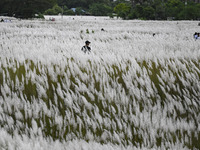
point(196, 35)
point(86, 48)
point(5, 20)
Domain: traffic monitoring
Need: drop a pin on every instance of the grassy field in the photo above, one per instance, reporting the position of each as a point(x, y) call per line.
point(134, 91)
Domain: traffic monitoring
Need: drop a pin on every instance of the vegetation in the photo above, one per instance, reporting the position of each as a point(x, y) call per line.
point(134, 89)
point(54, 102)
point(161, 10)
point(24, 8)
point(132, 9)
point(122, 10)
point(100, 9)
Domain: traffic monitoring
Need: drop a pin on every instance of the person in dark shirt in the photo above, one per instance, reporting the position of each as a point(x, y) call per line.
point(86, 48)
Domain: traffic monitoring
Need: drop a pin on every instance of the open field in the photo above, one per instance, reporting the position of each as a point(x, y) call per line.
point(133, 91)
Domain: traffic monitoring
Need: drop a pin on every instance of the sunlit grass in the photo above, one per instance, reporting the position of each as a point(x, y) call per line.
point(106, 103)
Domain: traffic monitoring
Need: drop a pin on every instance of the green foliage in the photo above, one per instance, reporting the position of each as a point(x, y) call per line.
point(54, 11)
point(139, 11)
point(79, 11)
point(136, 13)
point(82, 3)
point(57, 9)
point(122, 10)
point(149, 12)
point(25, 8)
point(50, 12)
point(132, 14)
point(39, 16)
point(192, 11)
point(181, 11)
point(111, 15)
point(133, 9)
point(173, 8)
point(158, 9)
point(100, 9)
point(69, 12)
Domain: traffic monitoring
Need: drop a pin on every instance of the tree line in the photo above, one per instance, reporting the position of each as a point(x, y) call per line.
point(125, 9)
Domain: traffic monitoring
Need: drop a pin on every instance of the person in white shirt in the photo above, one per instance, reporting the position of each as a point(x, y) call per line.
point(196, 36)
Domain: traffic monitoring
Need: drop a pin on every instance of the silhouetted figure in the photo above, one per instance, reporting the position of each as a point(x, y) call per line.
point(196, 35)
point(86, 48)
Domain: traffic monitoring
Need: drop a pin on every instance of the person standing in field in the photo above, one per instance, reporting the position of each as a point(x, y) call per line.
point(195, 35)
point(86, 48)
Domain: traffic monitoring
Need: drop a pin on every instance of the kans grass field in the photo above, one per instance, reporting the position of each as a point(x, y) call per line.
point(133, 91)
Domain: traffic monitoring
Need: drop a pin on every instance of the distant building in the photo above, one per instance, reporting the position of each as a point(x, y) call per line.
point(73, 9)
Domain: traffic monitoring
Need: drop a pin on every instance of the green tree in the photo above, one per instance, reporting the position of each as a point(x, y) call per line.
point(149, 13)
point(160, 12)
point(57, 9)
point(79, 11)
point(159, 7)
point(122, 10)
point(69, 12)
point(132, 14)
point(50, 12)
point(25, 8)
point(53, 11)
point(173, 8)
point(82, 3)
point(190, 11)
point(139, 11)
point(100, 9)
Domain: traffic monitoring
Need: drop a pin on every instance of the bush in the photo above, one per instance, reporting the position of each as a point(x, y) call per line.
point(50, 12)
point(69, 12)
point(100, 9)
point(122, 10)
point(39, 16)
point(149, 13)
point(53, 11)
